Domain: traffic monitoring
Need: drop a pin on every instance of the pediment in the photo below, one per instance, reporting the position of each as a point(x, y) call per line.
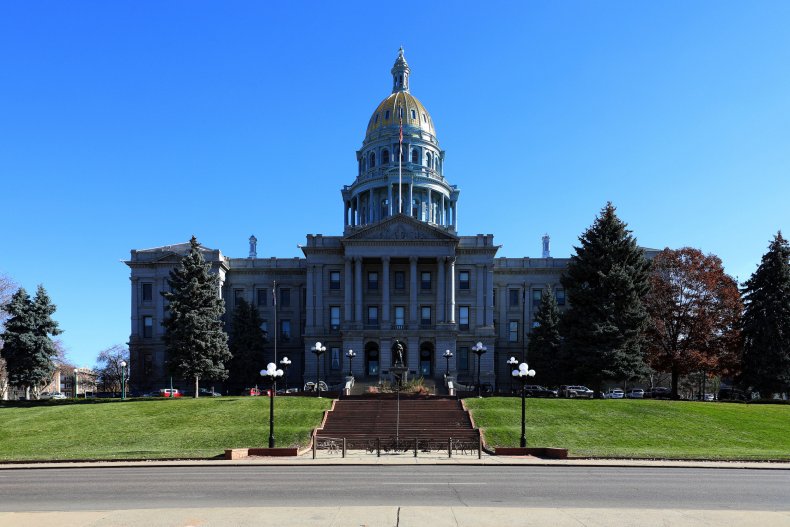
point(401, 228)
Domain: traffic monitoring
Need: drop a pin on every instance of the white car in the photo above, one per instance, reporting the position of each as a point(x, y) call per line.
point(615, 393)
point(52, 395)
point(635, 393)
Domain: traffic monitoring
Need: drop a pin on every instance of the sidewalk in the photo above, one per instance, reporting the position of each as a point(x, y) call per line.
point(361, 458)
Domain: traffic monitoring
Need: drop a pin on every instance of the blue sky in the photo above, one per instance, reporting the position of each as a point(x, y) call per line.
point(136, 124)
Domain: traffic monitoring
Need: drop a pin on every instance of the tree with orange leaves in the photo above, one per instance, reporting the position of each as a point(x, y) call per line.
point(694, 309)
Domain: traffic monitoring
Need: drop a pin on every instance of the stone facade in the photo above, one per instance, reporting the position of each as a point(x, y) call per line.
point(400, 272)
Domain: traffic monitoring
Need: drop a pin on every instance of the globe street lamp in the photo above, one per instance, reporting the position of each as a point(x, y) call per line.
point(285, 362)
point(270, 374)
point(513, 363)
point(523, 373)
point(350, 354)
point(76, 383)
point(479, 349)
point(318, 349)
point(447, 356)
point(123, 380)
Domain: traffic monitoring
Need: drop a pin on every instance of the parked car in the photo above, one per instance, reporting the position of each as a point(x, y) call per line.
point(635, 393)
point(573, 392)
point(659, 392)
point(708, 397)
point(733, 394)
point(535, 390)
point(614, 393)
point(168, 392)
point(52, 395)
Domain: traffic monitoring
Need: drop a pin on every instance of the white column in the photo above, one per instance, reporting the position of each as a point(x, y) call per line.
point(371, 206)
point(441, 309)
point(358, 216)
point(389, 199)
point(358, 288)
point(347, 290)
point(411, 198)
point(413, 290)
point(442, 219)
point(451, 285)
point(430, 206)
point(385, 293)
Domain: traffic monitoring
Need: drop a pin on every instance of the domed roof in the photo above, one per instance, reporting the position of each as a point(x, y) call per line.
point(388, 114)
point(399, 104)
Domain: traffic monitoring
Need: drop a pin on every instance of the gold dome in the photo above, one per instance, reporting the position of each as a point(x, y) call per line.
point(414, 114)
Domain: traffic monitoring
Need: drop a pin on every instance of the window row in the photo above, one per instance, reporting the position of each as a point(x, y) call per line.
point(537, 295)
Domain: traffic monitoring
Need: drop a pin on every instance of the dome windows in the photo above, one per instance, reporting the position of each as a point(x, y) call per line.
point(415, 156)
point(385, 157)
point(414, 114)
point(372, 159)
point(377, 117)
point(386, 115)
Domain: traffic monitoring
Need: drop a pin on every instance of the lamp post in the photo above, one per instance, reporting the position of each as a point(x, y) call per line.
point(270, 374)
point(447, 356)
point(479, 349)
point(123, 380)
point(319, 350)
point(513, 363)
point(76, 382)
point(285, 362)
point(350, 354)
point(523, 373)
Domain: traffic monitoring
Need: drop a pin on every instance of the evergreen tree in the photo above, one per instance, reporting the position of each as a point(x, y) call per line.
point(606, 282)
point(766, 322)
point(543, 349)
point(196, 342)
point(28, 348)
point(247, 343)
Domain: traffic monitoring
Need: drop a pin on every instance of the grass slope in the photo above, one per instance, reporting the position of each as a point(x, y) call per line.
point(152, 428)
point(639, 429)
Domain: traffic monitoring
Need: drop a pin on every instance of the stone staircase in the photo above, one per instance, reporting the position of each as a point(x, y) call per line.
point(365, 418)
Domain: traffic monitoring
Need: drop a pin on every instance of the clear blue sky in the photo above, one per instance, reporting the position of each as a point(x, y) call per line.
point(136, 124)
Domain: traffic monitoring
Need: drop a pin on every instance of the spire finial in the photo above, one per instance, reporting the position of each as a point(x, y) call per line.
point(400, 73)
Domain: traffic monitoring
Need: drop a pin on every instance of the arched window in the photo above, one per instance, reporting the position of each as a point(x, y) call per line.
point(415, 156)
point(372, 159)
point(385, 157)
point(428, 158)
point(413, 114)
point(386, 115)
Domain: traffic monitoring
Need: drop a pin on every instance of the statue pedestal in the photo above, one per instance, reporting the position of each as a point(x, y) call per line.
point(400, 373)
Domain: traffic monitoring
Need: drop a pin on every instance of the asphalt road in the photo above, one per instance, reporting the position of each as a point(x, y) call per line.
point(77, 489)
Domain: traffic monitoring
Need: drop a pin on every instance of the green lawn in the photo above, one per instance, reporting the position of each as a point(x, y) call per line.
point(152, 428)
point(639, 429)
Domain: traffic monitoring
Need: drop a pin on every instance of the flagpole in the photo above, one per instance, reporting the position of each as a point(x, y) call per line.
point(274, 302)
point(400, 163)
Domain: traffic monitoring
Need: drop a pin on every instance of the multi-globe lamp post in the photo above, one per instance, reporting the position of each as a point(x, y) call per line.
point(513, 363)
point(123, 380)
point(285, 362)
point(350, 354)
point(270, 374)
point(479, 350)
point(319, 350)
point(447, 356)
point(523, 374)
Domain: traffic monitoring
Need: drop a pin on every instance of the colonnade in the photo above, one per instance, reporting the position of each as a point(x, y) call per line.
point(377, 203)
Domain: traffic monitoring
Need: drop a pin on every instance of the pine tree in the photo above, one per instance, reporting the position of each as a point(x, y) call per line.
point(28, 348)
point(247, 343)
point(766, 321)
point(544, 341)
point(606, 282)
point(196, 342)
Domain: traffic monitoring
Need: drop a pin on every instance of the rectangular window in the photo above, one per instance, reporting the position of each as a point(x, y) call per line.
point(463, 280)
point(513, 298)
point(334, 316)
point(335, 364)
point(400, 317)
point(334, 280)
point(400, 280)
point(512, 331)
point(261, 300)
point(536, 294)
point(425, 315)
point(463, 318)
point(373, 281)
point(425, 281)
point(148, 327)
point(559, 294)
point(148, 293)
point(238, 296)
point(285, 330)
point(463, 359)
point(373, 315)
point(285, 298)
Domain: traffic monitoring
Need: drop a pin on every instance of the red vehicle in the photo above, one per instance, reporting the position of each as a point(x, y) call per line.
point(252, 391)
point(167, 392)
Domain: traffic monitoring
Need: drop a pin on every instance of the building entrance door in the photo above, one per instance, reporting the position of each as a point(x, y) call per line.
point(426, 359)
point(372, 359)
